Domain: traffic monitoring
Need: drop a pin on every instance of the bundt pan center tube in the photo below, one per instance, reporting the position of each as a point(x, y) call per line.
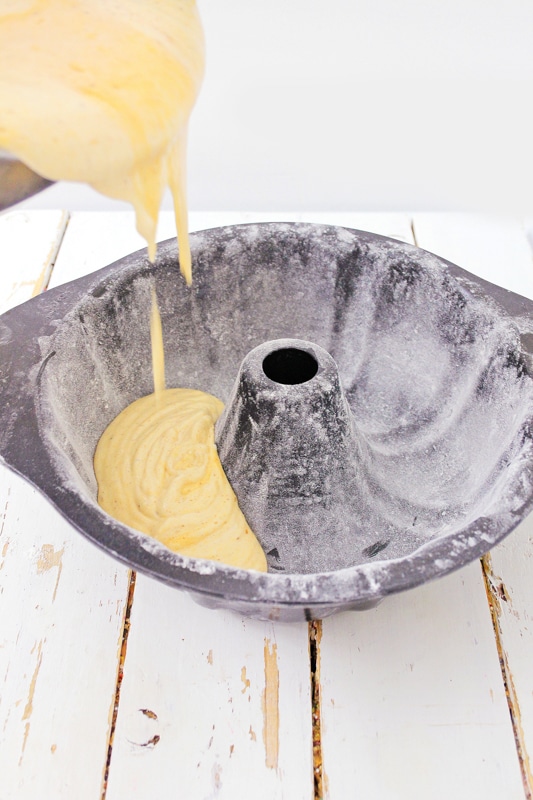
point(288, 445)
point(378, 401)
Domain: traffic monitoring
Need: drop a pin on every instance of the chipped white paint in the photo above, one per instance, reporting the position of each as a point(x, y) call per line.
point(60, 629)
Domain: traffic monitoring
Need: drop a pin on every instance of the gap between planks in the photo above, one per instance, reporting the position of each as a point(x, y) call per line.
point(120, 675)
point(495, 590)
point(319, 778)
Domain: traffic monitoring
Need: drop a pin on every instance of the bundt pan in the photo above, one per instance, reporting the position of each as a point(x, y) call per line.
point(378, 421)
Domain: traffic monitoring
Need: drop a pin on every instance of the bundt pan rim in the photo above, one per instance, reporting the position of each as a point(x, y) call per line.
point(23, 450)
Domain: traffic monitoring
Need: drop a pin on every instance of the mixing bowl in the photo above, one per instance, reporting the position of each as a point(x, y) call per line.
point(378, 421)
point(18, 181)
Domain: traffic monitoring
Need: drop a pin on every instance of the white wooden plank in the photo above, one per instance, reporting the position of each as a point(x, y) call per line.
point(479, 248)
point(61, 604)
point(412, 699)
point(29, 241)
point(493, 247)
point(413, 703)
point(228, 699)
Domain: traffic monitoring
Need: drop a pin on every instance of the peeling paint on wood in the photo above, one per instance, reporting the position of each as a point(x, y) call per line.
point(148, 713)
point(245, 681)
point(122, 649)
point(28, 708)
point(495, 595)
point(315, 637)
point(48, 559)
point(4, 512)
point(271, 705)
point(216, 774)
point(5, 548)
point(151, 743)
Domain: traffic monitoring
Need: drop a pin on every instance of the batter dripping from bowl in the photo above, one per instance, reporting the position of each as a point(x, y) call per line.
point(109, 85)
point(100, 91)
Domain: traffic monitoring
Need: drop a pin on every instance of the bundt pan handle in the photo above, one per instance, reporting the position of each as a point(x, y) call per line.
point(27, 336)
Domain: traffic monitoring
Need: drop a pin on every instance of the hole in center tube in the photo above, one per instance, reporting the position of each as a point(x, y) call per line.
point(289, 365)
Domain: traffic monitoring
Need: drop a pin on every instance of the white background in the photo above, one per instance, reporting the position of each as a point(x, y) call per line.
point(359, 105)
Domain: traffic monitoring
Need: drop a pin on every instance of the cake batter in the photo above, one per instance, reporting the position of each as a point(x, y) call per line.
point(158, 471)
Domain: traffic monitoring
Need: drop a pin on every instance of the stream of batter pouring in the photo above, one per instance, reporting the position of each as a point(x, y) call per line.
point(158, 471)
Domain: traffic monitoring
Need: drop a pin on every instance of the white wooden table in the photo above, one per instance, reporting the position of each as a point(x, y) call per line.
point(114, 686)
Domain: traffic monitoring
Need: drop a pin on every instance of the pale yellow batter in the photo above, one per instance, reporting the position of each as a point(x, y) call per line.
point(100, 91)
point(158, 471)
